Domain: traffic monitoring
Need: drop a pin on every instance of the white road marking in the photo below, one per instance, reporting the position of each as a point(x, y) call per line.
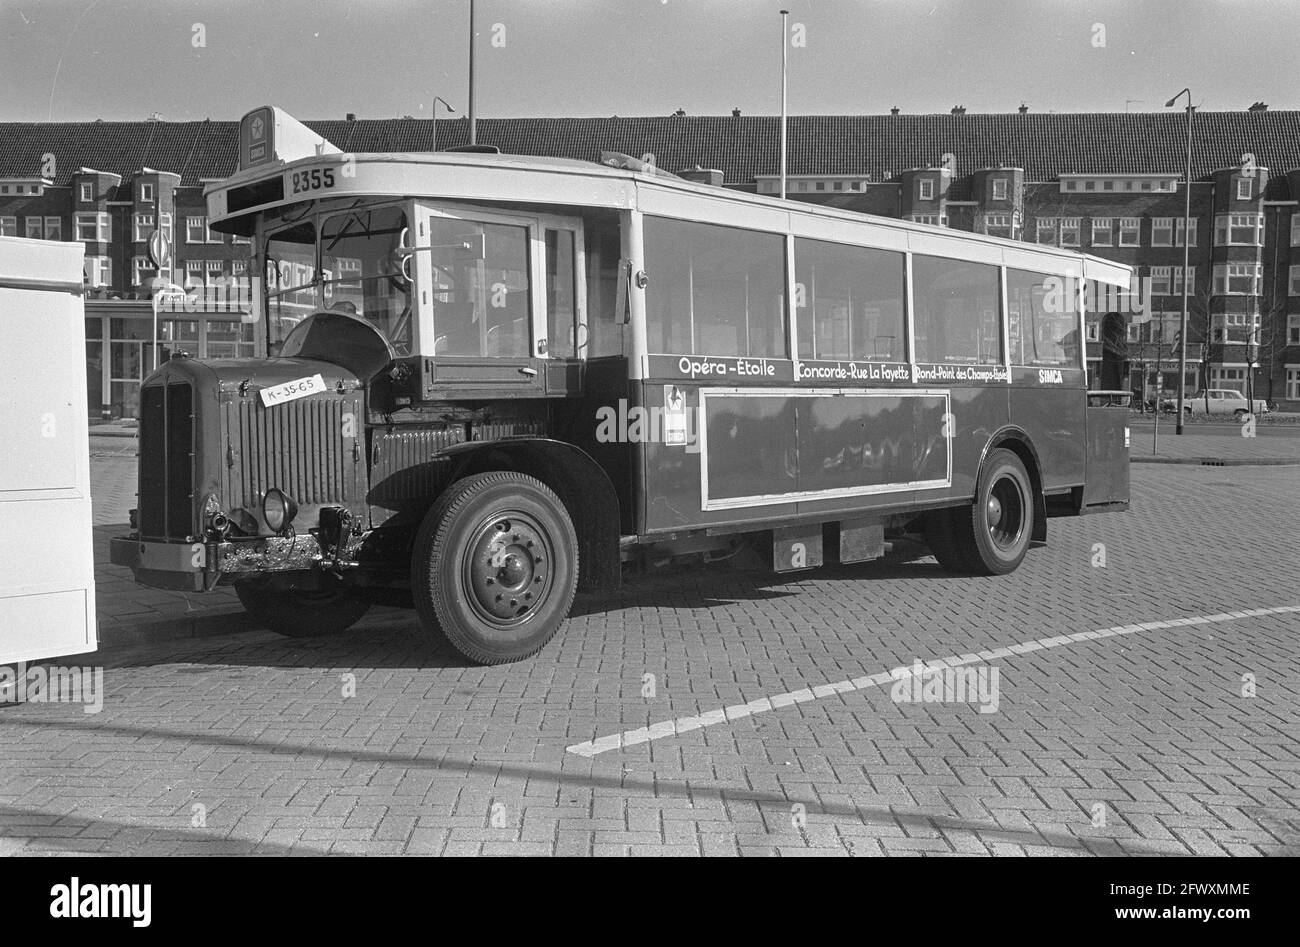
point(668, 728)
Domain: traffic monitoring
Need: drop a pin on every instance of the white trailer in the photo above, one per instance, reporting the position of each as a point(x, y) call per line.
point(47, 568)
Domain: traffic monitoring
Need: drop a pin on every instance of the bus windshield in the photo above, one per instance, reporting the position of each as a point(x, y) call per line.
point(347, 262)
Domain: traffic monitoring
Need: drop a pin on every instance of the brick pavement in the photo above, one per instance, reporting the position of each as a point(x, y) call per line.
point(432, 756)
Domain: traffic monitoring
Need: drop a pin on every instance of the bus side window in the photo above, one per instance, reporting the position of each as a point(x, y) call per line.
point(956, 306)
point(1043, 318)
point(604, 333)
point(850, 301)
point(714, 290)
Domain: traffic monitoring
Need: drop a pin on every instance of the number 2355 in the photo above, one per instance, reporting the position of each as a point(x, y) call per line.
point(313, 180)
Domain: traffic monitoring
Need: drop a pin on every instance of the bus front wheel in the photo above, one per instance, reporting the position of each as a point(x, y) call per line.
point(495, 566)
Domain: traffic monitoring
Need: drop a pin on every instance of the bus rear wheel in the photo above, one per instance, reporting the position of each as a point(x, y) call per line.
point(495, 566)
point(992, 535)
point(306, 608)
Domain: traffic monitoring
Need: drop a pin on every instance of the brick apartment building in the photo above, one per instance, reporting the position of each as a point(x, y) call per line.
point(1108, 184)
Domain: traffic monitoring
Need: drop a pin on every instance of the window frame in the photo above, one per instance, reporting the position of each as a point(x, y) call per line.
point(420, 211)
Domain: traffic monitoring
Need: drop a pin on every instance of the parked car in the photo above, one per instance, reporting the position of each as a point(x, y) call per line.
point(1220, 401)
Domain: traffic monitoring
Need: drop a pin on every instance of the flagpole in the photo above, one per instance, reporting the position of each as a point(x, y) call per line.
point(785, 49)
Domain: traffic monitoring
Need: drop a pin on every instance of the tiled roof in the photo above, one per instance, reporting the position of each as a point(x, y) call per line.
point(1045, 145)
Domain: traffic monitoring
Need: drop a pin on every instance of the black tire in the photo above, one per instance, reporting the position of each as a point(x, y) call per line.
point(307, 608)
point(495, 566)
point(941, 537)
point(992, 534)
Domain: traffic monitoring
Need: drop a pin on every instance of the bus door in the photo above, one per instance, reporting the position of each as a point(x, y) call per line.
point(501, 300)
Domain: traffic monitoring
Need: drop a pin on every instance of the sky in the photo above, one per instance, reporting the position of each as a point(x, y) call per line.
point(76, 60)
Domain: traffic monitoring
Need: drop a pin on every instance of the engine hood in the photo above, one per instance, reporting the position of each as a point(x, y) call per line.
point(248, 376)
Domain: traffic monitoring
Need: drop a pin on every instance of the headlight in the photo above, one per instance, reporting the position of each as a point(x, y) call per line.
point(278, 510)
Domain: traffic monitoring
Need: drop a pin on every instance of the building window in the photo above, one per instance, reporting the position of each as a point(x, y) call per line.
point(35, 230)
point(53, 228)
point(1093, 331)
point(212, 236)
point(1179, 225)
point(146, 193)
point(143, 227)
point(1293, 328)
point(1293, 384)
point(196, 229)
point(239, 267)
point(8, 226)
point(1243, 189)
point(925, 189)
point(1130, 231)
point(1293, 280)
point(1101, 232)
point(1237, 279)
point(1239, 230)
point(1070, 231)
point(94, 228)
point(1177, 288)
point(97, 272)
point(1045, 230)
point(1160, 280)
point(1162, 231)
point(165, 221)
point(934, 220)
point(216, 271)
point(193, 273)
point(997, 225)
point(999, 189)
point(1295, 228)
point(1231, 378)
point(87, 192)
point(140, 267)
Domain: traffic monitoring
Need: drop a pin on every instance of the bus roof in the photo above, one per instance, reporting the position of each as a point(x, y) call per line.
point(525, 179)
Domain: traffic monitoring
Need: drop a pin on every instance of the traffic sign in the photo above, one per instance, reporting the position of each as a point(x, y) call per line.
point(160, 249)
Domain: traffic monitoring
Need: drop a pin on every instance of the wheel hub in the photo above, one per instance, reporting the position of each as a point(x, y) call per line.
point(508, 569)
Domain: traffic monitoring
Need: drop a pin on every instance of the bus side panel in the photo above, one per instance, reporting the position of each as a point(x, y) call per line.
point(756, 451)
point(1054, 419)
point(863, 450)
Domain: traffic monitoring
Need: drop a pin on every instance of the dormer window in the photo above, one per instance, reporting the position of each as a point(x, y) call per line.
point(87, 192)
point(925, 189)
point(999, 189)
point(146, 194)
point(1243, 189)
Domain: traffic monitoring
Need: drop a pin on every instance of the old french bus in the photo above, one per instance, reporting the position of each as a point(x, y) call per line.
point(489, 381)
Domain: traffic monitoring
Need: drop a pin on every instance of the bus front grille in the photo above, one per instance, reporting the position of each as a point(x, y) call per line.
point(166, 500)
point(298, 447)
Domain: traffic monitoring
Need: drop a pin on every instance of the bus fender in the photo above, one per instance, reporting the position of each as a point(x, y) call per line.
point(582, 486)
point(1015, 439)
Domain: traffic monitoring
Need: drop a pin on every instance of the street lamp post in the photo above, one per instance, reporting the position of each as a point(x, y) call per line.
point(785, 49)
point(450, 111)
point(1187, 232)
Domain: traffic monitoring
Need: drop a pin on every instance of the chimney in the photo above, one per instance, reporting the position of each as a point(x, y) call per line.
point(352, 116)
point(1024, 109)
point(735, 113)
point(701, 175)
point(680, 112)
point(1258, 107)
point(893, 110)
point(959, 110)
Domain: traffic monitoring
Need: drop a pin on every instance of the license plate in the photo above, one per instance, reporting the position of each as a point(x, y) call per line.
point(291, 390)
